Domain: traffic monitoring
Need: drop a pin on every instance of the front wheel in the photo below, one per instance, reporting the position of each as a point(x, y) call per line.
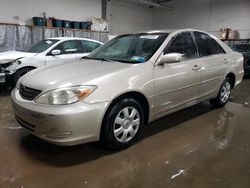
point(223, 95)
point(19, 73)
point(122, 124)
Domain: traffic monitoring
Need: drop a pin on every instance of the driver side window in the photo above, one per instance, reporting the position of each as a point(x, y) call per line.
point(69, 47)
point(182, 43)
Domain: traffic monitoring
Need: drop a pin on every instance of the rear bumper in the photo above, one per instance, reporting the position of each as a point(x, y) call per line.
point(239, 77)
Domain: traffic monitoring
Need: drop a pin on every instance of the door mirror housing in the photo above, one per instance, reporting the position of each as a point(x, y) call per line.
point(170, 58)
point(55, 52)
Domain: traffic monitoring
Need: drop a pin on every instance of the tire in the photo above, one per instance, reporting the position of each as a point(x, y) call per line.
point(19, 73)
point(122, 124)
point(223, 95)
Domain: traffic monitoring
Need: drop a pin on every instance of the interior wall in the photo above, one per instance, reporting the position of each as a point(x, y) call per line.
point(127, 17)
point(74, 10)
point(208, 15)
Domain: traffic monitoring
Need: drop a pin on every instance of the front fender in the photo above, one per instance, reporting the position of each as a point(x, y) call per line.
point(27, 62)
point(135, 79)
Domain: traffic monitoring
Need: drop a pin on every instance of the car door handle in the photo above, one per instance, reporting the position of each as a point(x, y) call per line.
point(225, 61)
point(196, 67)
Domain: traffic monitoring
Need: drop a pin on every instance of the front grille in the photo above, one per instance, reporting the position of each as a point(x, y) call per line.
point(25, 124)
point(28, 93)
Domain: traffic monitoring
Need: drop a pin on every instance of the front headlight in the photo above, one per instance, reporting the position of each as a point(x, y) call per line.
point(67, 95)
point(13, 65)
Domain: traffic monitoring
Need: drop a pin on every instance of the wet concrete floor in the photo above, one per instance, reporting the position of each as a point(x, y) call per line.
point(198, 147)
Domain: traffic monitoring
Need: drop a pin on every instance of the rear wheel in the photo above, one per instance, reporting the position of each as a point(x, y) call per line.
point(223, 95)
point(19, 73)
point(122, 124)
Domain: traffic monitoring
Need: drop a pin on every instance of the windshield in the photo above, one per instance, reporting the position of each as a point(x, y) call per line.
point(41, 46)
point(133, 48)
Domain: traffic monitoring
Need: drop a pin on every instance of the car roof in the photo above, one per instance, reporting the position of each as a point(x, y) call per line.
point(173, 32)
point(73, 38)
point(170, 31)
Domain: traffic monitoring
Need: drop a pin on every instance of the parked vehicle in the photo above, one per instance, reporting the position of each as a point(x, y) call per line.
point(244, 48)
point(130, 81)
point(53, 51)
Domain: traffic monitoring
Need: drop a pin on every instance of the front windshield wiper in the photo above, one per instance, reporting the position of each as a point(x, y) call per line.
point(95, 58)
point(111, 60)
point(126, 61)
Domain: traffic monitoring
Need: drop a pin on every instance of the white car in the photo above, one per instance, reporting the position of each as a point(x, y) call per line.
point(52, 51)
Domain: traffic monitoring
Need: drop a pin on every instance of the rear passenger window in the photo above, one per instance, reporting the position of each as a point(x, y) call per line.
point(182, 43)
point(89, 46)
point(207, 45)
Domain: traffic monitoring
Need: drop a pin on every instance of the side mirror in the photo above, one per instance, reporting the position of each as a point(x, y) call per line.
point(56, 52)
point(170, 58)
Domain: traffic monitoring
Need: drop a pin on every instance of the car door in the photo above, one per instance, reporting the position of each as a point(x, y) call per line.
point(177, 84)
point(88, 46)
point(213, 61)
point(70, 50)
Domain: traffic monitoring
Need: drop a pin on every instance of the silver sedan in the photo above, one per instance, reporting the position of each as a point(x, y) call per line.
point(129, 82)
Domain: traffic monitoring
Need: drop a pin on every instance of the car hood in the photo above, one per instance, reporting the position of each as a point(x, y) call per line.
point(69, 74)
point(6, 57)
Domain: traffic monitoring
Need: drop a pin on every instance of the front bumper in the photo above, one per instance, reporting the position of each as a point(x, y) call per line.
point(5, 76)
point(60, 124)
point(2, 77)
